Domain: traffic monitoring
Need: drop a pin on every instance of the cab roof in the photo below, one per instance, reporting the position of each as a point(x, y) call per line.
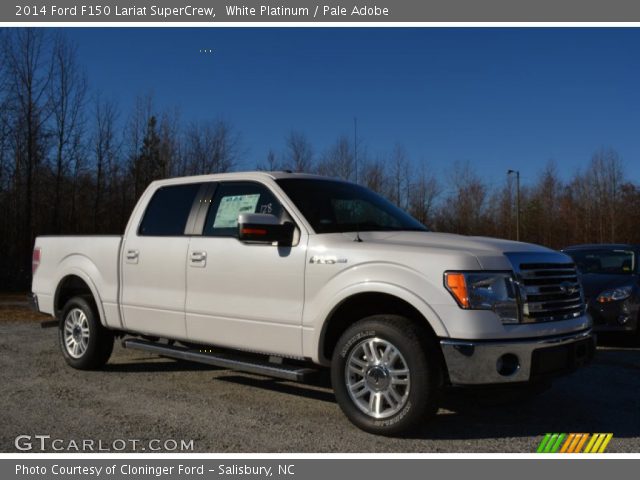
point(250, 175)
point(601, 246)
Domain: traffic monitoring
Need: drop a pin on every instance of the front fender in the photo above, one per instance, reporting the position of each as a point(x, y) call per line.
point(404, 283)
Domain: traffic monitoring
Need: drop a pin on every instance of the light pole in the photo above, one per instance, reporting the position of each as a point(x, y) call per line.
point(517, 172)
point(355, 145)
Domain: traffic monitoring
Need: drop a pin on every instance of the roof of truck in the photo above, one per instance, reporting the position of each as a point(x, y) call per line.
point(251, 175)
point(601, 246)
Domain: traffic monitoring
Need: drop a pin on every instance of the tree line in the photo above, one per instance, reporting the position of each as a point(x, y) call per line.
point(71, 162)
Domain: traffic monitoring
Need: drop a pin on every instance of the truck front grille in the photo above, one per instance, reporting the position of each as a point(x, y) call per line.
point(550, 292)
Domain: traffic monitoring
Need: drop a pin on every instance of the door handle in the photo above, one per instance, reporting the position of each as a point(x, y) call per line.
point(132, 256)
point(198, 259)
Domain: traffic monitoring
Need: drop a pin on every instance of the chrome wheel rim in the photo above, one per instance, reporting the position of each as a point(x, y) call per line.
point(76, 333)
point(377, 378)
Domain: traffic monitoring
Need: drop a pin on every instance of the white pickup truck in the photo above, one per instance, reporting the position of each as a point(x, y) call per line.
point(282, 273)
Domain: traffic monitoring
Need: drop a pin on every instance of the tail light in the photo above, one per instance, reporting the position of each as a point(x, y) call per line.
point(35, 259)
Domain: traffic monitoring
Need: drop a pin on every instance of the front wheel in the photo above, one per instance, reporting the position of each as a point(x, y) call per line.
point(386, 374)
point(85, 343)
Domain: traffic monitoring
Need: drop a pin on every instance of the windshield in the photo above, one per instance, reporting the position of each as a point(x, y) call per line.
point(333, 206)
point(617, 262)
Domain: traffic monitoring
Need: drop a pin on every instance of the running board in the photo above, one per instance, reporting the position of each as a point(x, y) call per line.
point(224, 360)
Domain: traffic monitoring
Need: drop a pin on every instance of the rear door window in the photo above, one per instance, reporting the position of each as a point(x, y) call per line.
point(168, 210)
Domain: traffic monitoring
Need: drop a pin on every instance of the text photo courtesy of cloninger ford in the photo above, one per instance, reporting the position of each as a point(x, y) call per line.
point(416, 240)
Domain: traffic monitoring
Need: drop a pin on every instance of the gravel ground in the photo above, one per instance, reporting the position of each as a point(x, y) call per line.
point(142, 397)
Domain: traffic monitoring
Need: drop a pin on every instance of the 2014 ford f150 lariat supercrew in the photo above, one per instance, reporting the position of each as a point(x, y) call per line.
point(282, 273)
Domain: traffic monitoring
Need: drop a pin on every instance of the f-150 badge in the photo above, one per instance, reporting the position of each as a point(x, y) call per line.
point(326, 260)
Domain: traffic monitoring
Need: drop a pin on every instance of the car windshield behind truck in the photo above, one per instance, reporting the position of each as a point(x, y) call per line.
point(615, 262)
point(334, 206)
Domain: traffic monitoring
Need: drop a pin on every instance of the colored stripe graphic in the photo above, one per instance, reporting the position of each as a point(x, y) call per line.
point(606, 441)
point(556, 446)
point(581, 443)
point(543, 443)
point(568, 442)
point(591, 443)
point(574, 443)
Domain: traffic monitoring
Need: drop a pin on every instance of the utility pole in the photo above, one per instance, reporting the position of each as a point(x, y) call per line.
point(355, 145)
point(517, 172)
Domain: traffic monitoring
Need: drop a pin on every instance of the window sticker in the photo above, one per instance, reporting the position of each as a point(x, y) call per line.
point(232, 206)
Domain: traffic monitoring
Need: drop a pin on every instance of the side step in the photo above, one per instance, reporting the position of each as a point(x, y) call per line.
point(224, 360)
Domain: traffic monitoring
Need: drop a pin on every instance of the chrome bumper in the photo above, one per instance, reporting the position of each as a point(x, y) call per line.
point(477, 362)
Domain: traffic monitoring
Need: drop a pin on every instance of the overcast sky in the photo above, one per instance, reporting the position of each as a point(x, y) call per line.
point(499, 98)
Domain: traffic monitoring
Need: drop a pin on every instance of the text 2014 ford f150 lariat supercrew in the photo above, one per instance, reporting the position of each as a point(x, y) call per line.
point(279, 273)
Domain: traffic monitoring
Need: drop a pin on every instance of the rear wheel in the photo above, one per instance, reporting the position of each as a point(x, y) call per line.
point(386, 375)
point(85, 343)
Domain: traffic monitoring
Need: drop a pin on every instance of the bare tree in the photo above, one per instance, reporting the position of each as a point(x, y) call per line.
point(423, 192)
point(373, 175)
point(28, 72)
point(541, 216)
point(338, 161)
point(211, 147)
point(299, 154)
point(399, 176)
point(271, 164)
point(464, 208)
point(67, 90)
point(137, 130)
point(606, 176)
point(105, 150)
point(148, 164)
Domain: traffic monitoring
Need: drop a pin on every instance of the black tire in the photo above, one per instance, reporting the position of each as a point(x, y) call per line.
point(79, 317)
point(416, 348)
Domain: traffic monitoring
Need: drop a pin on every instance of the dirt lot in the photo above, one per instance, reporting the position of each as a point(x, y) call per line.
point(144, 397)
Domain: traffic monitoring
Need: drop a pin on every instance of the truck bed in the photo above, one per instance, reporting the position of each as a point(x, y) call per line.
point(97, 255)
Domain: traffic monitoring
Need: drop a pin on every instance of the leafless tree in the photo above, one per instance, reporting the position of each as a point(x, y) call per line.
point(211, 147)
point(423, 191)
point(605, 176)
point(138, 128)
point(374, 176)
point(399, 176)
point(27, 75)
point(67, 91)
point(338, 161)
point(105, 149)
point(464, 208)
point(271, 164)
point(299, 152)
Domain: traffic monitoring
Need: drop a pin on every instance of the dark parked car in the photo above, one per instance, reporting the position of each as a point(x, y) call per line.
point(611, 280)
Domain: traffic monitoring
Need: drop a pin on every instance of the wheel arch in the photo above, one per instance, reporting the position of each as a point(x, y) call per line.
point(362, 304)
point(74, 284)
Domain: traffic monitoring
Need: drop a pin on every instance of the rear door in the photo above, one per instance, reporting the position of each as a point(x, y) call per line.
point(154, 263)
point(242, 295)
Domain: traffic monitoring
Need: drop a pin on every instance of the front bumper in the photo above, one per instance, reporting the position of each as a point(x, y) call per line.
point(621, 316)
point(471, 362)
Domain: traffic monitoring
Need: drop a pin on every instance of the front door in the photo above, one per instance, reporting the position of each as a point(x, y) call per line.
point(241, 295)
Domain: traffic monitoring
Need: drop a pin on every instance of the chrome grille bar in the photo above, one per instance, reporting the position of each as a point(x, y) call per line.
point(550, 292)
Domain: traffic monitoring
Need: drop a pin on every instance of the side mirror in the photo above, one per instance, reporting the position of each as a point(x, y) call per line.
point(264, 228)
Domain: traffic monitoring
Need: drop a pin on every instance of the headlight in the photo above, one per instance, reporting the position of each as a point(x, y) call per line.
point(485, 291)
point(615, 294)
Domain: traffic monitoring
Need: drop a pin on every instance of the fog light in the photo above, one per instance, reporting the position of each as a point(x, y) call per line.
point(507, 364)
